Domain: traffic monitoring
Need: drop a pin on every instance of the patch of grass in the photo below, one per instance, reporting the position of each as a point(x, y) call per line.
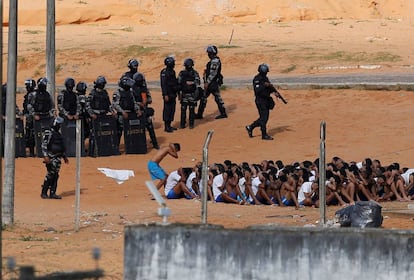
point(34, 238)
point(21, 59)
point(32, 31)
point(59, 68)
point(343, 56)
point(228, 47)
point(137, 50)
point(335, 22)
point(127, 29)
point(82, 2)
point(289, 69)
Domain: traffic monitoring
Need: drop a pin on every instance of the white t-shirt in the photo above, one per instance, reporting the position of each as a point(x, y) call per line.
point(406, 176)
point(189, 182)
point(305, 188)
point(217, 183)
point(172, 180)
point(255, 185)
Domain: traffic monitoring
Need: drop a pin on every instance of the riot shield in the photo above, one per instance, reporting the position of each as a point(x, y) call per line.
point(105, 136)
point(39, 127)
point(20, 139)
point(69, 136)
point(134, 134)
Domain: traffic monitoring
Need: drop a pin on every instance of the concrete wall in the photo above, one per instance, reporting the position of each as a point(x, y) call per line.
point(205, 252)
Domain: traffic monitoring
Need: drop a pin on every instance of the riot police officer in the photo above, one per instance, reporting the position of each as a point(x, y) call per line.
point(42, 103)
point(264, 101)
point(169, 88)
point(30, 85)
point(98, 102)
point(124, 102)
point(143, 98)
point(98, 105)
point(188, 81)
point(133, 68)
point(53, 150)
point(213, 79)
point(83, 113)
point(68, 102)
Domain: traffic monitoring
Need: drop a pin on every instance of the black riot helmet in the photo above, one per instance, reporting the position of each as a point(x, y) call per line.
point(30, 85)
point(188, 63)
point(126, 83)
point(81, 87)
point(169, 61)
point(263, 68)
point(69, 83)
point(42, 84)
point(100, 82)
point(211, 51)
point(57, 123)
point(133, 64)
point(138, 78)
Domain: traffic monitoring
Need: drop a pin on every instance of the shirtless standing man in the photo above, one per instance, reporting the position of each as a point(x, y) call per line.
point(154, 168)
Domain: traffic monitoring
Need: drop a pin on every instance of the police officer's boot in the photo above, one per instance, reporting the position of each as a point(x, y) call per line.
point(200, 112)
point(266, 136)
point(167, 127)
point(183, 117)
point(153, 138)
point(43, 194)
point(223, 113)
point(53, 194)
point(31, 151)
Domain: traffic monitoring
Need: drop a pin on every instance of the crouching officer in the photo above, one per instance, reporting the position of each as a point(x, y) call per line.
point(189, 81)
point(143, 97)
point(53, 150)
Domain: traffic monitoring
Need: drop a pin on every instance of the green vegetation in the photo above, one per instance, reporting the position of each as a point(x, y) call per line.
point(228, 47)
point(34, 32)
point(34, 238)
point(289, 69)
point(136, 50)
point(354, 57)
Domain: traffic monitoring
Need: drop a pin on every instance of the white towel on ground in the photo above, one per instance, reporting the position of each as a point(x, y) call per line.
point(120, 176)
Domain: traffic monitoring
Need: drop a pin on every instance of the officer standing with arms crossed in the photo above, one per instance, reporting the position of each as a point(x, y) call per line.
point(213, 79)
point(169, 88)
point(264, 101)
point(189, 81)
point(53, 150)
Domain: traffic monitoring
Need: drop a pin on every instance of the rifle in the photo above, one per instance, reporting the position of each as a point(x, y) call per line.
point(277, 93)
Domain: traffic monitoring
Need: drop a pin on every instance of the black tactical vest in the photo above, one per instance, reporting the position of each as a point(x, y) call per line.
point(43, 102)
point(100, 101)
point(126, 100)
point(188, 76)
point(56, 144)
point(69, 102)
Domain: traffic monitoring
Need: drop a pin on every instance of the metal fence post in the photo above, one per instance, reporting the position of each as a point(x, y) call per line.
point(322, 176)
point(204, 178)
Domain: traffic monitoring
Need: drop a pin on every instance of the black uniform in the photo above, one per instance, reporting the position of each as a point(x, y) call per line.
point(189, 82)
point(264, 103)
point(169, 87)
point(42, 104)
point(53, 150)
point(83, 112)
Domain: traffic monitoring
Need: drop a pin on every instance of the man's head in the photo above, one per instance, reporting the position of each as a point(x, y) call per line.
point(263, 69)
point(169, 61)
point(100, 82)
point(42, 84)
point(177, 147)
point(81, 87)
point(69, 84)
point(30, 85)
point(133, 65)
point(211, 51)
point(188, 63)
point(57, 123)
